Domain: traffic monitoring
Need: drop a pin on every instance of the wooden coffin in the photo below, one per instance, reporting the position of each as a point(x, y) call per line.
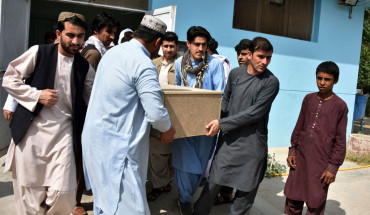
point(191, 109)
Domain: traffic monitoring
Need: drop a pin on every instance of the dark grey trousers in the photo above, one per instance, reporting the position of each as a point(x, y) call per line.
point(241, 204)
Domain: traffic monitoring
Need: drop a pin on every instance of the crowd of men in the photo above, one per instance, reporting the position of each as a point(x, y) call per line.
point(81, 112)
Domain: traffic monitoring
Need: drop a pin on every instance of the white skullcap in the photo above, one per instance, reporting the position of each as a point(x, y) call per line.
point(154, 24)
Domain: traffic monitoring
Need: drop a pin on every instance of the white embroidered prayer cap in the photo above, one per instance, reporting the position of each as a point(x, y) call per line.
point(154, 24)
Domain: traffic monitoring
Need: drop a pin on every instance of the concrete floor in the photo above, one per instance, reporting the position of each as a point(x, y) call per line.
point(350, 194)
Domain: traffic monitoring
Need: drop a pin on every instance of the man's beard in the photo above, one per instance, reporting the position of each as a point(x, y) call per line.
point(170, 54)
point(66, 47)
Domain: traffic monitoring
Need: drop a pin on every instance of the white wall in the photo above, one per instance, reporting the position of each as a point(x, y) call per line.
point(14, 23)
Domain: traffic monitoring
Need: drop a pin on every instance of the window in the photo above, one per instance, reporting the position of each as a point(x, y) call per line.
point(292, 18)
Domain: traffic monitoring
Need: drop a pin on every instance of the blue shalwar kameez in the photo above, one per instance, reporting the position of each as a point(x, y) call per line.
point(126, 97)
point(190, 155)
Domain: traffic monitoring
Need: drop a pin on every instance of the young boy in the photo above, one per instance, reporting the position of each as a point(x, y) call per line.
point(318, 145)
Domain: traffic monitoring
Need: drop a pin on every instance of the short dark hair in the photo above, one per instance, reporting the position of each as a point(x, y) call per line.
point(329, 67)
point(240, 47)
point(243, 45)
point(128, 34)
point(260, 43)
point(213, 45)
point(197, 31)
point(171, 36)
point(74, 21)
point(147, 34)
point(102, 20)
point(49, 37)
point(127, 37)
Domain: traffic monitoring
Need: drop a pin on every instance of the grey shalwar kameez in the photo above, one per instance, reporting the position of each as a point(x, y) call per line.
point(240, 162)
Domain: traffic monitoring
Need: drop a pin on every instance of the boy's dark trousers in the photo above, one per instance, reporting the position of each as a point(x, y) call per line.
point(241, 204)
point(293, 207)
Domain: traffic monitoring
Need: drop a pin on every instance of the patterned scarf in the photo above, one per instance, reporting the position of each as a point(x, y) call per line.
point(187, 67)
point(98, 44)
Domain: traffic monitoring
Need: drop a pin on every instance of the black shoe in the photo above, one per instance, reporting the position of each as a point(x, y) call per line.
point(185, 208)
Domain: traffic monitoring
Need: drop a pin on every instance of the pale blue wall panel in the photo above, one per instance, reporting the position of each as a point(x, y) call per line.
point(335, 37)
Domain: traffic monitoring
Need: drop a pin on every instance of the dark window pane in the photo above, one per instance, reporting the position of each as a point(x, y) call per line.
point(291, 19)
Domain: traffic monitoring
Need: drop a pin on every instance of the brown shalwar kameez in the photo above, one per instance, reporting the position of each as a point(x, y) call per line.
point(319, 144)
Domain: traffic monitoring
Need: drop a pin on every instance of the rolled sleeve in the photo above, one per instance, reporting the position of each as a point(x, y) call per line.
point(18, 70)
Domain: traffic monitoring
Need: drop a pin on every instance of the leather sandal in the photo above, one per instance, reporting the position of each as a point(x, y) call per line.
point(167, 188)
point(154, 194)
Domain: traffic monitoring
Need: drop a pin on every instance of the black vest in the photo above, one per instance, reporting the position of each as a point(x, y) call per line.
point(43, 78)
point(87, 48)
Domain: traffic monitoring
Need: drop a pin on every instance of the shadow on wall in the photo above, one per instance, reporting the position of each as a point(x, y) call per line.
point(6, 189)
